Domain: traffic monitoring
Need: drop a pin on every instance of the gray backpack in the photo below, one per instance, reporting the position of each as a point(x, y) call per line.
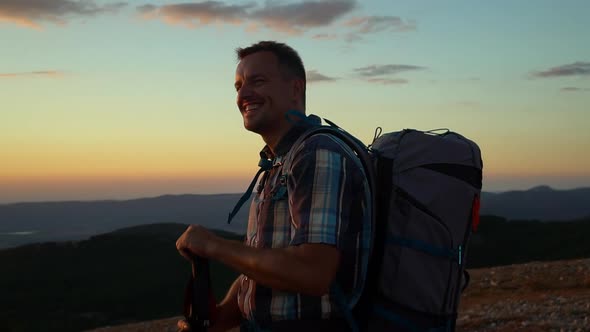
point(429, 184)
point(426, 188)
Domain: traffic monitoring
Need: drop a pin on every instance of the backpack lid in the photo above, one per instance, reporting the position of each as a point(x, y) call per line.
point(412, 148)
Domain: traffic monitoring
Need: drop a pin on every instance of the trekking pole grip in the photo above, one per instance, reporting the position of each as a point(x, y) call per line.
point(202, 284)
point(197, 310)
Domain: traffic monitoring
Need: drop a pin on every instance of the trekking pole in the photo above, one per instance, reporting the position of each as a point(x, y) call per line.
point(198, 296)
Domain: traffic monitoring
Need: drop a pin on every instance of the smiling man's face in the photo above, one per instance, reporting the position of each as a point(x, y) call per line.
point(264, 94)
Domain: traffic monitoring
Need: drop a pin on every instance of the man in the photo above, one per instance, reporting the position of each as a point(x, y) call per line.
point(309, 225)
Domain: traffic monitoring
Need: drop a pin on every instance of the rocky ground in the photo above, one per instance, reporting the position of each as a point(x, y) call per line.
point(538, 296)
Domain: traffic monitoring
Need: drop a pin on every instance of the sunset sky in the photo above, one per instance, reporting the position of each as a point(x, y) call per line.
point(115, 100)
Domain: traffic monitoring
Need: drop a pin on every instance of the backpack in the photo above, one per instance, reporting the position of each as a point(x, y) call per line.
point(425, 189)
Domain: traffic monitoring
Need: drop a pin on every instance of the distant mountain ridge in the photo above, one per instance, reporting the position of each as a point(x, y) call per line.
point(539, 203)
point(72, 220)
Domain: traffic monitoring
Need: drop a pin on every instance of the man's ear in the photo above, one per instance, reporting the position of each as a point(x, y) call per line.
point(298, 88)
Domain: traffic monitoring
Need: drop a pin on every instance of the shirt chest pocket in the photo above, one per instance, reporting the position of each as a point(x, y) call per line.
point(276, 189)
point(279, 230)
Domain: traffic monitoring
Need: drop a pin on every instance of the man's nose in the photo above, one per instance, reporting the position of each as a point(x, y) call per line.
point(244, 92)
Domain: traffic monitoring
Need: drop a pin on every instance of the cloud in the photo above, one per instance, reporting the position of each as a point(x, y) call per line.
point(197, 13)
point(373, 24)
point(147, 9)
point(295, 18)
point(290, 18)
point(30, 13)
point(314, 76)
point(572, 69)
point(45, 73)
point(387, 81)
point(325, 36)
point(573, 89)
point(379, 70)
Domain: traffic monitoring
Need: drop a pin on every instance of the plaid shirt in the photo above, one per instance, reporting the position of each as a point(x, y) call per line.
point(323, 198)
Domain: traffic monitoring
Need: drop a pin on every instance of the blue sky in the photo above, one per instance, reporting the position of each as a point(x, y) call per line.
point(104, 99)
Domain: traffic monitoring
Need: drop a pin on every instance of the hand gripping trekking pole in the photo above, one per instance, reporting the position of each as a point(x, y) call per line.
point(199, 303)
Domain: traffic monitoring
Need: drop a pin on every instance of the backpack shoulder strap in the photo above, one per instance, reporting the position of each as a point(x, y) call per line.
point(359, 149)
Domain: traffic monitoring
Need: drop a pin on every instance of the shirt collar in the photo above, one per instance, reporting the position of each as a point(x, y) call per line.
point(287, 141)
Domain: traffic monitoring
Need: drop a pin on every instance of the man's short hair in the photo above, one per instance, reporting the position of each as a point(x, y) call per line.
point(289, 60)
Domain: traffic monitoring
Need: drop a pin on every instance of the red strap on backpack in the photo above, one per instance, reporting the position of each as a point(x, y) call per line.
point(475, 213)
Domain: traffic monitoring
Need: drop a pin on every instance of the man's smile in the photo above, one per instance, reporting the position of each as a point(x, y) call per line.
point(251, 106)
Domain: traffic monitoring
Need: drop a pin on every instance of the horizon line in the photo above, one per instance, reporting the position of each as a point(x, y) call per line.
point(134, 198)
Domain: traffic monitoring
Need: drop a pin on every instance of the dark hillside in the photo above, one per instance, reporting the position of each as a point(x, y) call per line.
point(502, 242)
point(132, 274)
point(135, 274)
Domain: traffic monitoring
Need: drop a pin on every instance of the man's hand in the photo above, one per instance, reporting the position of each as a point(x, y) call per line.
point(183, 326)
point(198, 241)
